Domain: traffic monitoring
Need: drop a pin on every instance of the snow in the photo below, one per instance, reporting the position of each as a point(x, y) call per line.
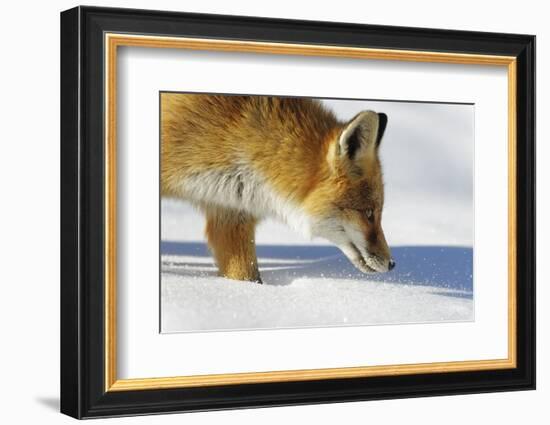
point(427, 154)
point(312, 286)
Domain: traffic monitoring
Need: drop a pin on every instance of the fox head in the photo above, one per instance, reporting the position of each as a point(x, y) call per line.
point(347, 203)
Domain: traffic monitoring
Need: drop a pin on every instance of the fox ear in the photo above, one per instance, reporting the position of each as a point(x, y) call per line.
point(382, 123)
point(362, 134)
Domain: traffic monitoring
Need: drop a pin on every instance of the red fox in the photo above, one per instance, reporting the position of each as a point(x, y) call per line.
point(240, 159)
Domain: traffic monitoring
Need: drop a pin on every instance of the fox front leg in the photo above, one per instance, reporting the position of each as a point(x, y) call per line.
point(230, 235)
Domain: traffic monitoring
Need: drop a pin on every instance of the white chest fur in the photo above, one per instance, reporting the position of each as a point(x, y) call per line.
point(244, 189)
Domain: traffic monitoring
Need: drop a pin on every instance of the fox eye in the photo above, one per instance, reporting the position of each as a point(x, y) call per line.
point(370, 214)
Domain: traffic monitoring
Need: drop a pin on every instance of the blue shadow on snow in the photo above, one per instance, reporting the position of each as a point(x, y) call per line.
point(446, 267)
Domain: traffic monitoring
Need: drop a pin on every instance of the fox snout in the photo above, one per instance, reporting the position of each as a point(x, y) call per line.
point(378, 254)
point(375, 260)
point(371, 262)
point(377, 265)
point(367, 251)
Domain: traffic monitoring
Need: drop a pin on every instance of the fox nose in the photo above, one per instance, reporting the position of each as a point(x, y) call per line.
point(391, 265)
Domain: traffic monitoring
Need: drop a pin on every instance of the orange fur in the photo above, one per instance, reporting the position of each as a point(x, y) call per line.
point(230, 234)
point(209, 131)
point(235, 155)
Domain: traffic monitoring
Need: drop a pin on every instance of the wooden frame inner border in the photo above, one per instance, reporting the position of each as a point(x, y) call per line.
point(113, 41)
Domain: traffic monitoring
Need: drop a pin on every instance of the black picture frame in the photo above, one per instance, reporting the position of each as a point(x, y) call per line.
point(83, 392)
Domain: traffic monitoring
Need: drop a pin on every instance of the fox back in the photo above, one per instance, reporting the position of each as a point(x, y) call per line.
point(286, 158)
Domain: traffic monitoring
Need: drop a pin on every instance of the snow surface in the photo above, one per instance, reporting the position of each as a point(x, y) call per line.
point(427, 155)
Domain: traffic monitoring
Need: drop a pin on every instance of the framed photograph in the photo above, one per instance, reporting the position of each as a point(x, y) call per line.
point(261, 212)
